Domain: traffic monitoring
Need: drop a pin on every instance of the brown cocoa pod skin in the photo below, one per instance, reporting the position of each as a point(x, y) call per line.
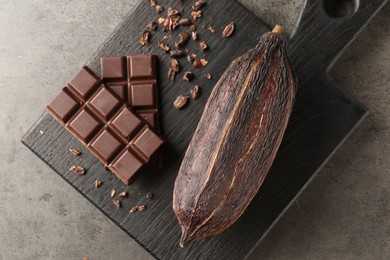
point(236, 140)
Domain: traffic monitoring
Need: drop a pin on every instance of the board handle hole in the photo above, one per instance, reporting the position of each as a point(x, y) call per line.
point(340, 8)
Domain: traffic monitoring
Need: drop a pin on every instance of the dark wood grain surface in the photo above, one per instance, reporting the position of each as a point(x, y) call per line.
point(323, 117)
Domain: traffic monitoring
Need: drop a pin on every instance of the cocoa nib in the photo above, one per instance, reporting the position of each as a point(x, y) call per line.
point(161, 20)
point(117, 203)
point(98, 183)
point(183, 39)
point(188, 76)
point(145, 38)
point(194, 36)
point(198, 63)
point(208, 75)
point(203, 46)
point(185, 22)
point(197, 5)
point(228, 31)
point(152, 26)
point(123, 194)
point(193, 28)
point(190, 59)
point(134, 209)
point(74, 151)
point(77, 169)
point(211, 29)
point(175, 67)
point(164, 46)
point(159, 8)
point(195, 92)
point(153, 3)
point(172, 12)
point(176, 53)
point(196, 14)
point(180, 102)
point(112, 194)
point(149, 195)
point(141, 208)
point(171, 23)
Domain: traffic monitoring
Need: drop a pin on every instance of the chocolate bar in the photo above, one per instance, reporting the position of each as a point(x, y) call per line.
point(106, 125)
point(133, 79)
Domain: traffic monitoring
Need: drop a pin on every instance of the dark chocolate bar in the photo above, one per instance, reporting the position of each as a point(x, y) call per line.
point(133, 79)
point(118, 136)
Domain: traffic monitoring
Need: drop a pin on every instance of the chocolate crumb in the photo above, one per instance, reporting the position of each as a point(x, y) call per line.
point(75, 152)
point(180, 102)
point(77, 169)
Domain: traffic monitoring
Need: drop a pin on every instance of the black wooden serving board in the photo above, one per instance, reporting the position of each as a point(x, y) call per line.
point(323, 117)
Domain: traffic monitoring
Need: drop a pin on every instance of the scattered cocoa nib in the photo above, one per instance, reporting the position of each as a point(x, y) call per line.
point(176, 53)
point(175, 67)
point(211, 29)
point(193, 28)
point(188, 76)
point(228, 31)
point(172, 12)
point(167, 36)
point(153, 3)
point(196, 14)
point(193, 55)
point(183, 39)
point(117, 203)
point(204, 26)
point(75, 152)
point(141, 208)
point(170, 24)
point(197, 5)
point(41, 132)
point(50, 154)
point(194, 36)
point(185, 22)
point(159, 8)
point(145, 38)
point(164, 46)
point(133, 209)
point(203, 46)
point(208, 75)
point(77, 169)
point(149, 195)
point(198, 63)
point(195, 92)
point(190, 59)
point(123, 194)
point(152, 26)
point(112, 194)
point(98, 183)
point(180, 102)
point(161, 20)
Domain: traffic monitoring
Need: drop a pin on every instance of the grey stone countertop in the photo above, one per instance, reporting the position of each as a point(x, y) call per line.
point(344, 213)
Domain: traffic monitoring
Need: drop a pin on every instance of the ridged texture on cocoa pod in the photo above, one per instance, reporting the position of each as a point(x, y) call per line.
point(236, 140)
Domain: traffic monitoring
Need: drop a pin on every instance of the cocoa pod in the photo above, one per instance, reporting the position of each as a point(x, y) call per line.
point(236, 140)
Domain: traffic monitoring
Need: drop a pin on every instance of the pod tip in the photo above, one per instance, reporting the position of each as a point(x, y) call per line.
point(278, 29)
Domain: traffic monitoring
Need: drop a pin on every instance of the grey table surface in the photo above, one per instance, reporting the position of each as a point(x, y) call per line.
point(343, 214)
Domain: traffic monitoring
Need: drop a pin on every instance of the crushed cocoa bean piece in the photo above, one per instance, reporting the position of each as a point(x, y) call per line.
point(195, 92)
point(176, 53)
point(172, 12)
point(98, 183)
point(175, 67)
point(152, 26)
point(228, 31)
point(203, 46)
point(133, 209)
point(183, 39)
point(159, 8)
point(112, 194)
point(161, 20)
point(196, 14)
point(123, 194)
point(164, 46)
point(188, 76)
point(193, 28)
point(190, 59)
point(194, 36)
point(185, 22)
point(117, 203)
point(145, 38)
point(77, 169)
point(211, 29)
point(197, 5)
point(180, 102)
point(41, 132)
point(153, 3)
point(75, 152)
point(141, 208)
point(208, 76)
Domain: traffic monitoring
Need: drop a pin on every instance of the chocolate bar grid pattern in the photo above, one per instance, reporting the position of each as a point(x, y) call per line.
point(110, 130)
point(133, 79)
